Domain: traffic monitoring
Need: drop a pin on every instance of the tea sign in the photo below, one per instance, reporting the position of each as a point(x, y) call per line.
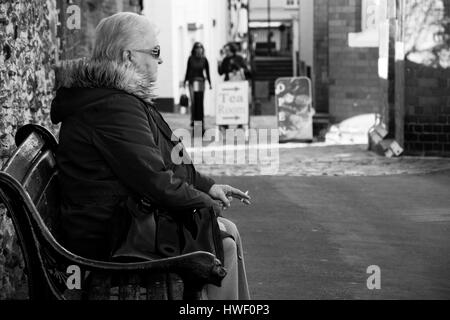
point(232, 103)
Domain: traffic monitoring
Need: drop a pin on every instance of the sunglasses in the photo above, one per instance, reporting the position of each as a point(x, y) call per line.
point(155, 52)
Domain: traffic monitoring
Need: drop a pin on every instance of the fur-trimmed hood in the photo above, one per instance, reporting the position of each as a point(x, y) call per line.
point(75, 80)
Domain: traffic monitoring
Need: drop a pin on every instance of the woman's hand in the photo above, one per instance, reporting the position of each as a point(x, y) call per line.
point(226, 194)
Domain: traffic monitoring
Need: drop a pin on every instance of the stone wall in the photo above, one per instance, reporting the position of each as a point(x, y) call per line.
point(79, 43)
point(29, 46)
point(31, 42)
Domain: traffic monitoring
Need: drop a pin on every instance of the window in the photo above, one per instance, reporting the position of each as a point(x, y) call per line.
point(292, 4)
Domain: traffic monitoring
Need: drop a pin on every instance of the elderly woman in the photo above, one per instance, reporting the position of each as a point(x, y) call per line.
point(115, 145)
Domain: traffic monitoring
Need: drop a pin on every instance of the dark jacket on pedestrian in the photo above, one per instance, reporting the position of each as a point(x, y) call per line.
point(232, 64)
point(196, 69)
point(114, 145)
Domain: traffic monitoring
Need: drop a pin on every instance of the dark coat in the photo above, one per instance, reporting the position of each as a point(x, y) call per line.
point(196, 69)
point(232, 64)
point(114, 144)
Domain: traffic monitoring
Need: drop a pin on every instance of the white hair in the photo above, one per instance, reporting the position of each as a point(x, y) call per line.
point(119, 32)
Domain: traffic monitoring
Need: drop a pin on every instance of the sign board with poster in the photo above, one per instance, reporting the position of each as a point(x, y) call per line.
point(293, 98)
point(232, 103)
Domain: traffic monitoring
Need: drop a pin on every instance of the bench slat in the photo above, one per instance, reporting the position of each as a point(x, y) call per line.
point(21, 161)
point(42, 186)
point(48, 207)
point(175, 286)
point(157, 287)
point(39, 176)
point(129, 288)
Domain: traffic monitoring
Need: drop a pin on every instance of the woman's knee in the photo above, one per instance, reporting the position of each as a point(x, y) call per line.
point(229, 250)
point(230, 227)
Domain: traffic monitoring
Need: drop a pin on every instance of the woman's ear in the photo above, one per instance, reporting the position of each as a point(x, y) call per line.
point(126, 56)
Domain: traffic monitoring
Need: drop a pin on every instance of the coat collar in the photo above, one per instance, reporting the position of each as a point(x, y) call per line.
point(83, 73)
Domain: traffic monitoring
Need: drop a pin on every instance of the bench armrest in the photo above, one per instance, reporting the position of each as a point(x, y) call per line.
point(198, 267)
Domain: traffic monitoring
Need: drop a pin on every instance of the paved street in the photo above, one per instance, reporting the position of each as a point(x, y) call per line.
point(330, 211)
point(297, 159)
point(316, 160)
point(314, 237)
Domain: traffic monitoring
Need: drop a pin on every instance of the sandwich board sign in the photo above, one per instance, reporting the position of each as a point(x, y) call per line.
point(293, 98)
point(232, 103)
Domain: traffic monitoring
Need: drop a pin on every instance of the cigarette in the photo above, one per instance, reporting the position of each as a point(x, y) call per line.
point(246, 193)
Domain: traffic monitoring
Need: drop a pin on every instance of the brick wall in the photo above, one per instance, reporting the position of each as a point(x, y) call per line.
point(427, 78)
point(321, 55)
point(347, 83)
point(427, 129)
point(353, 72)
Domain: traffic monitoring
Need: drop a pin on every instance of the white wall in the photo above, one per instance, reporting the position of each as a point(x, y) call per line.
point(307, 31)
point(173, 16)
point(160, 13)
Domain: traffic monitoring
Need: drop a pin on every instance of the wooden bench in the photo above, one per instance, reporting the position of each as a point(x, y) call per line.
point(29, 190)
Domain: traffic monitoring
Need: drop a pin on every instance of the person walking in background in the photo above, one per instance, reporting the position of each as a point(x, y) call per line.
point(197, 72)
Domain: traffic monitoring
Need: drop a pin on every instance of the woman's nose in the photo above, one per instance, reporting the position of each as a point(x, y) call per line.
point(160, 61)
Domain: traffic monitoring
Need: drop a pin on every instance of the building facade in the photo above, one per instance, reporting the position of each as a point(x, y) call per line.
point(346, 78)
point(182, 23)
point(277, 19)
point(390, 58)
